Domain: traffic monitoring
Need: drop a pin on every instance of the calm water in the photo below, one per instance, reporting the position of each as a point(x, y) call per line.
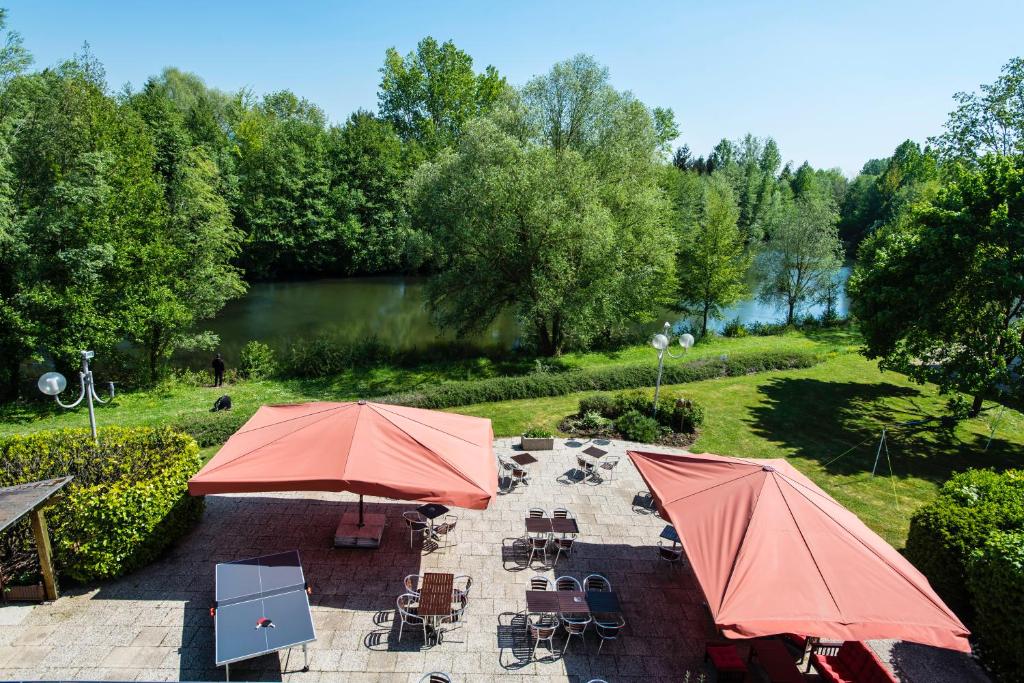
point(391, 308)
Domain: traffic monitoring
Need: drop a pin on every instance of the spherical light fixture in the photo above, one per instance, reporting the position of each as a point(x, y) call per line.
point(52, 383)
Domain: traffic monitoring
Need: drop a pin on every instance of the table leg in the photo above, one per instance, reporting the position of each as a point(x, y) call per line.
point(305, 658)
point(227, 672)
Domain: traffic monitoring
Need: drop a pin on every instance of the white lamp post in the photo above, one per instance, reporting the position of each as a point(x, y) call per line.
point(53, 383)
point(661, 342)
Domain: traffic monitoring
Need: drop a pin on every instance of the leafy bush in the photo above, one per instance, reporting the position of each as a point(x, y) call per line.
point(945, 532)
point(636, 426)
point(212, 429)
point(686, 416)
point(602, 404)
point(995, 578)
point(257, 360)
point(127, 503)
point(323, 356)
point(629, 401)
point(537, 433)
point(734, 328)
point(536, 385)
point(594, 421)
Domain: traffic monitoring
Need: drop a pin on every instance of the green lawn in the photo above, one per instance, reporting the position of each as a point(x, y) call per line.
point(826, 419)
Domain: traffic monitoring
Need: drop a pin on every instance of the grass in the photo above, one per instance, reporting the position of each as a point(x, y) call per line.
point(826, 420)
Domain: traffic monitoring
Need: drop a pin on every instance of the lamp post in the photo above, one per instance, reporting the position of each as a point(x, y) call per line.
point(661, 342)
point(53, 383)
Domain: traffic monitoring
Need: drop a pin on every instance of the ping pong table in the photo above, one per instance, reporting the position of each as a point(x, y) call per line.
point(262, 606)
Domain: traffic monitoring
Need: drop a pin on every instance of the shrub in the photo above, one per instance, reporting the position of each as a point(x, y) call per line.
point(593, 421)
point(536, 385)
point(602, 404)
point(636, 426)
point(630, 401)
point(323, 356)
point(995, 578)
point(212, 429)
point(945, 532)
point(537, 433)
point(257, 360)
point(686, 416)
point(734, 328)
point(129, 499)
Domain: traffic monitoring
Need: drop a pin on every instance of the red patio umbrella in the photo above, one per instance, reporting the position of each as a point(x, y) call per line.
point(366, 448)
point(774, 554)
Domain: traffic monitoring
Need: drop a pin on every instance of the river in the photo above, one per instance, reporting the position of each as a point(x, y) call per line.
point(390, 308)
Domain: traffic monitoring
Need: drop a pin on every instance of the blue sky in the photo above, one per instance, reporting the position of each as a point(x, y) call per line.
point(835, 83)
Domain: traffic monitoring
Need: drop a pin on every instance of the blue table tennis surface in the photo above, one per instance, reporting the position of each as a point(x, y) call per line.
point(270, 587)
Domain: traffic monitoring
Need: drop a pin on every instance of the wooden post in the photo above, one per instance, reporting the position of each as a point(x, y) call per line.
point(42, 535)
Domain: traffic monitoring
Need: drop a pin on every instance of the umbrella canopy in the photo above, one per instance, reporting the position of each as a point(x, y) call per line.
point(774, 553)
point(366, 448)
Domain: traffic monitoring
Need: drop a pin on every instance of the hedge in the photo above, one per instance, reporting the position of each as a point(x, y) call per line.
point(540, 384)
point(945, 532)
point(129, 499)
point(995, 578)
point(212, 429)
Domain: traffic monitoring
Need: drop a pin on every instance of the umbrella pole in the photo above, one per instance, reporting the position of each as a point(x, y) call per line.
point(360, 510)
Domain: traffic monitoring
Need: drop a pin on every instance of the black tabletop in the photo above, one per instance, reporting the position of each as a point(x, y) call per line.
point(432, 510)
point(669, 533)
point(524, 458)
point(595, 452)
point(603, 602)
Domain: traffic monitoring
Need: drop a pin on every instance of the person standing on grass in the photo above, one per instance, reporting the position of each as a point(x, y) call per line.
point(218, 370)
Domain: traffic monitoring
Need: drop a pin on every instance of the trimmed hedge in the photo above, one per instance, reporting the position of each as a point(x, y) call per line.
point(129, 499)
point(542, 384)
point(212, 429)
point(995, 577)
point(945, 532)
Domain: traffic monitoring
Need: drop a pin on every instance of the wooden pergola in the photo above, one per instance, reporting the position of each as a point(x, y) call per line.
point(30, 499)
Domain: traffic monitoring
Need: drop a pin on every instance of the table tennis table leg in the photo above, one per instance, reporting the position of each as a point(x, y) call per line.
point(305, 658)
point(227, 672)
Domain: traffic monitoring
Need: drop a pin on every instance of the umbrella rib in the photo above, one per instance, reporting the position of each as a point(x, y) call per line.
point(710, 488)
point(884, 561)
point(736, 557)
point(264, 445)
point(808, 546)
point(381, 407)
point(297, 417)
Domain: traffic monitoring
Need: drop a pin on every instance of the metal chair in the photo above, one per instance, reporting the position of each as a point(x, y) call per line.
point(539, 582)
point(436, 677)
point(608, 630)
point(460, 602)
point(446, 529)
point(585, 467)
point(608, 464)
point(418, 524)
point(412, 583)
point(563, 545)
point(537, 513)
point(567, 583)
point(542, 627)
point(574, 627)
point(407, 605)
point(539, 544)
point(596, 582)
point(461, 585)
point(673, 554)
point(561, 513)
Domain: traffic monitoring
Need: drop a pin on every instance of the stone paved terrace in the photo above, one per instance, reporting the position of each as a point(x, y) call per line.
point(155, 624)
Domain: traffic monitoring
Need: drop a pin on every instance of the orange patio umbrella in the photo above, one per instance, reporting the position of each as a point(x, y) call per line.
point(366, 448)
point(773, 553)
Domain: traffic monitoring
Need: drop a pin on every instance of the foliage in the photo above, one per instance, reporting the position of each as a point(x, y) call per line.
point(574, 251)
point(751, 166)
point(127, 503)
point(602, 404)
point(938, 293)
point(713, 261)
point(990, 122)
point(635, 426)
point(802, 255)
point(734, 328)
point(594, 421)
point(537, 433)
point(995, 575)
point(945, 532)
point(431, 94)
point(535, 385)
point(628, 401)
point(686, 416)
point(257, 360)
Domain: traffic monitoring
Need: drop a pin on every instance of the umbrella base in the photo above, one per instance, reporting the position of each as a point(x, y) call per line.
point(350, 535)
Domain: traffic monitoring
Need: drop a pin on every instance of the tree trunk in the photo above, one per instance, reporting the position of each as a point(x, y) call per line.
point(704, 324)
point(9, 381)
point(789, 313)
point(979, 398)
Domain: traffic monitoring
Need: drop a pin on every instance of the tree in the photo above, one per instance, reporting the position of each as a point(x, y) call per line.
point(430, 94)
point(713, 262)
point(524, 227)
point(751, 166)
point(802, 255)
point(940, 292)
point(990, 122)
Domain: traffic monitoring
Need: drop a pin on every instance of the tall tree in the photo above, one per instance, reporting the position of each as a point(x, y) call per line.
point(751, 165)
point(713, 261)
point(940, 292)
point(430, 94)
point(802, 254)
point(989, 122)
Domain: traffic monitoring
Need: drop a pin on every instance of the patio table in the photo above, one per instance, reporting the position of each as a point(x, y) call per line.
point(558, 525)
point(436, 596)
point(776, 660)
point(595, 452)
point(669, 533)
point(432, 511)
point(524, 459)
point(573, 602)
